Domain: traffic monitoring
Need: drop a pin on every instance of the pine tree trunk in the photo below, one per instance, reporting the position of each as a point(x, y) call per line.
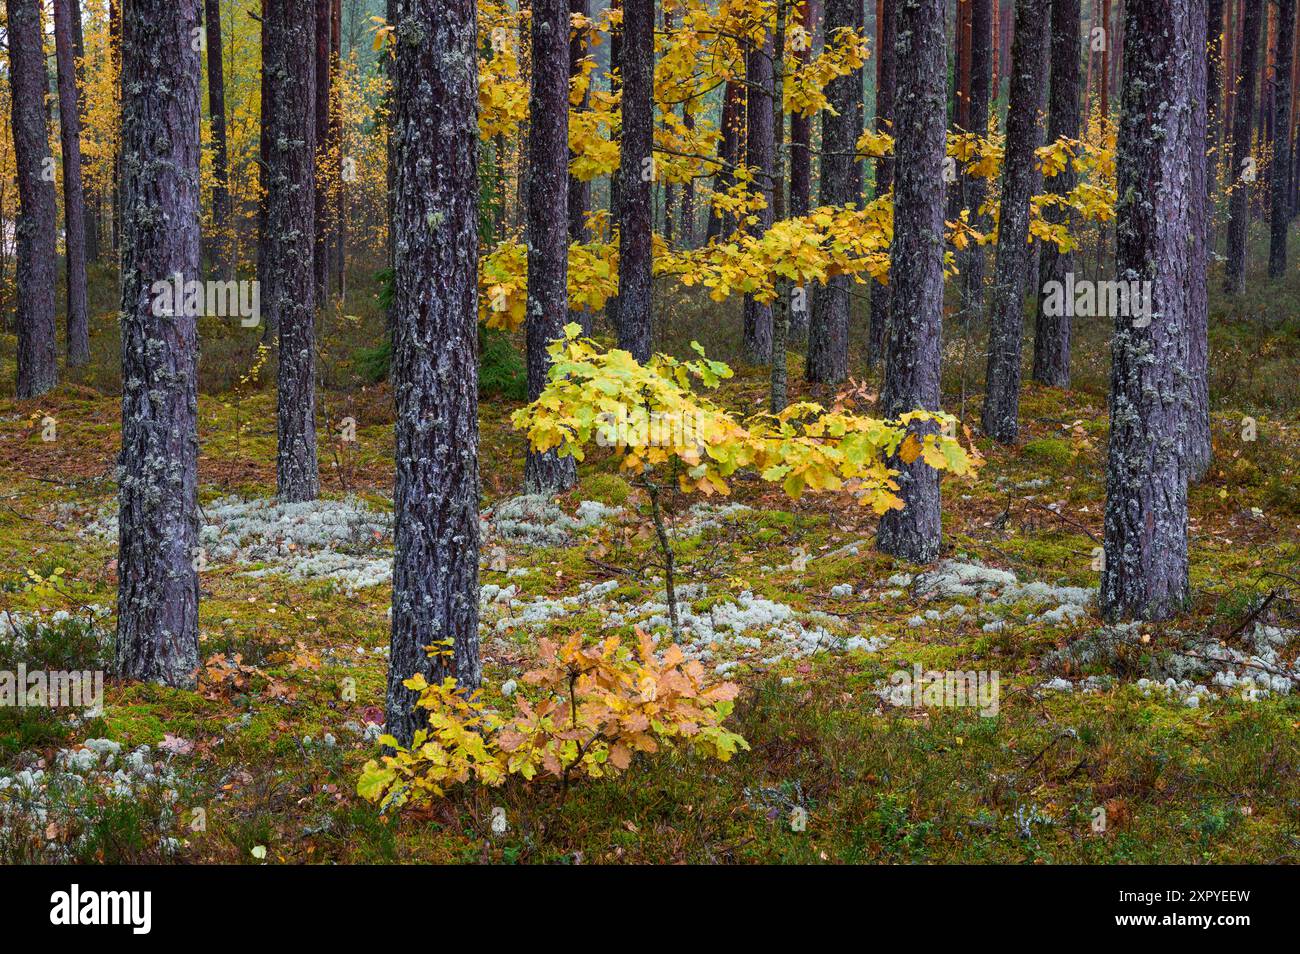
point(74, 201)
point(1242, 125)
point(1007, 308)
point(1052, 332)
point(158, 531)
point(758, 156)
point(35, 261)
point(912, 355)
point(828, 324)
point(548, 222)
point(728, 156)
point(579, 191)
point(79, 52)
point(1160, 231)
point(688, 189)
point(801, 164)
point(635, 178)
point(335, 171)
point(981, 84)
point(1214, 119)
point(435, 368)
point(323, 249)
point(1280, 167)
point(885, 91)
point(264, 178)
point(115, 57)
point(290, 286)
point(223, 252)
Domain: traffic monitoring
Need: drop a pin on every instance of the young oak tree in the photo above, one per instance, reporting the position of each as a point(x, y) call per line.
point(916, 266)
point(1001, 412)
point(38, 363)
point(1160, 234)
point(1052, 332)
point(635, 177)
point(74, 200)
point(158, 552)
point(548, 221)
point(289, 284)
point(435, 343)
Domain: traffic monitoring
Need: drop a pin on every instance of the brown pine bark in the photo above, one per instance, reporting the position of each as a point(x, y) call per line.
point(1159, 231)
point(916, 267)
point(1242, 162)
point(322, 252)
point(1280, 167)
point(759, 157)
point(289, 288)
point(74, 200)
point(158, 528)
point(548, 222)
point(38, 363)
point(886, 73)
point(1052, 331)
point(636, 171)
point(435, 368)
point(222, 214)
point(1001, 412)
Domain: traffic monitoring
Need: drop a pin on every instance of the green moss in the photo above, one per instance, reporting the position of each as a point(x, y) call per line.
point(1052, 451)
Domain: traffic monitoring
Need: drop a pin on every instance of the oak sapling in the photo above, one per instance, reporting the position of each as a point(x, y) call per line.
point(804, 447)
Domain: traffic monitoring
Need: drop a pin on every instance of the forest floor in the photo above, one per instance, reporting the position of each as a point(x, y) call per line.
point(1152, 728)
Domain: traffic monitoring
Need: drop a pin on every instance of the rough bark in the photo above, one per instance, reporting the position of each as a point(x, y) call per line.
point(913, 351)
point(92, 202)
point(579, 191)
point(635, 179)
point(728, 156)
point(981, 55)
point(435, 365)
point(801, 161)
point(222, 215)
point(339, 225)
point(1280, 167)
point(548, 222)
point(264, 175)
point(1243, 115)
point(1213, 118)
point(1001, 411)
point(35, 261)
point(688, 189)
point(290, 287)
point(158, 549)
point(828, 323)
point(74, 201)
point(322, 250)
point(1159, 234)
point(115, 57)
point(759, 131)
point(1052, 332)
point(886, 74)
